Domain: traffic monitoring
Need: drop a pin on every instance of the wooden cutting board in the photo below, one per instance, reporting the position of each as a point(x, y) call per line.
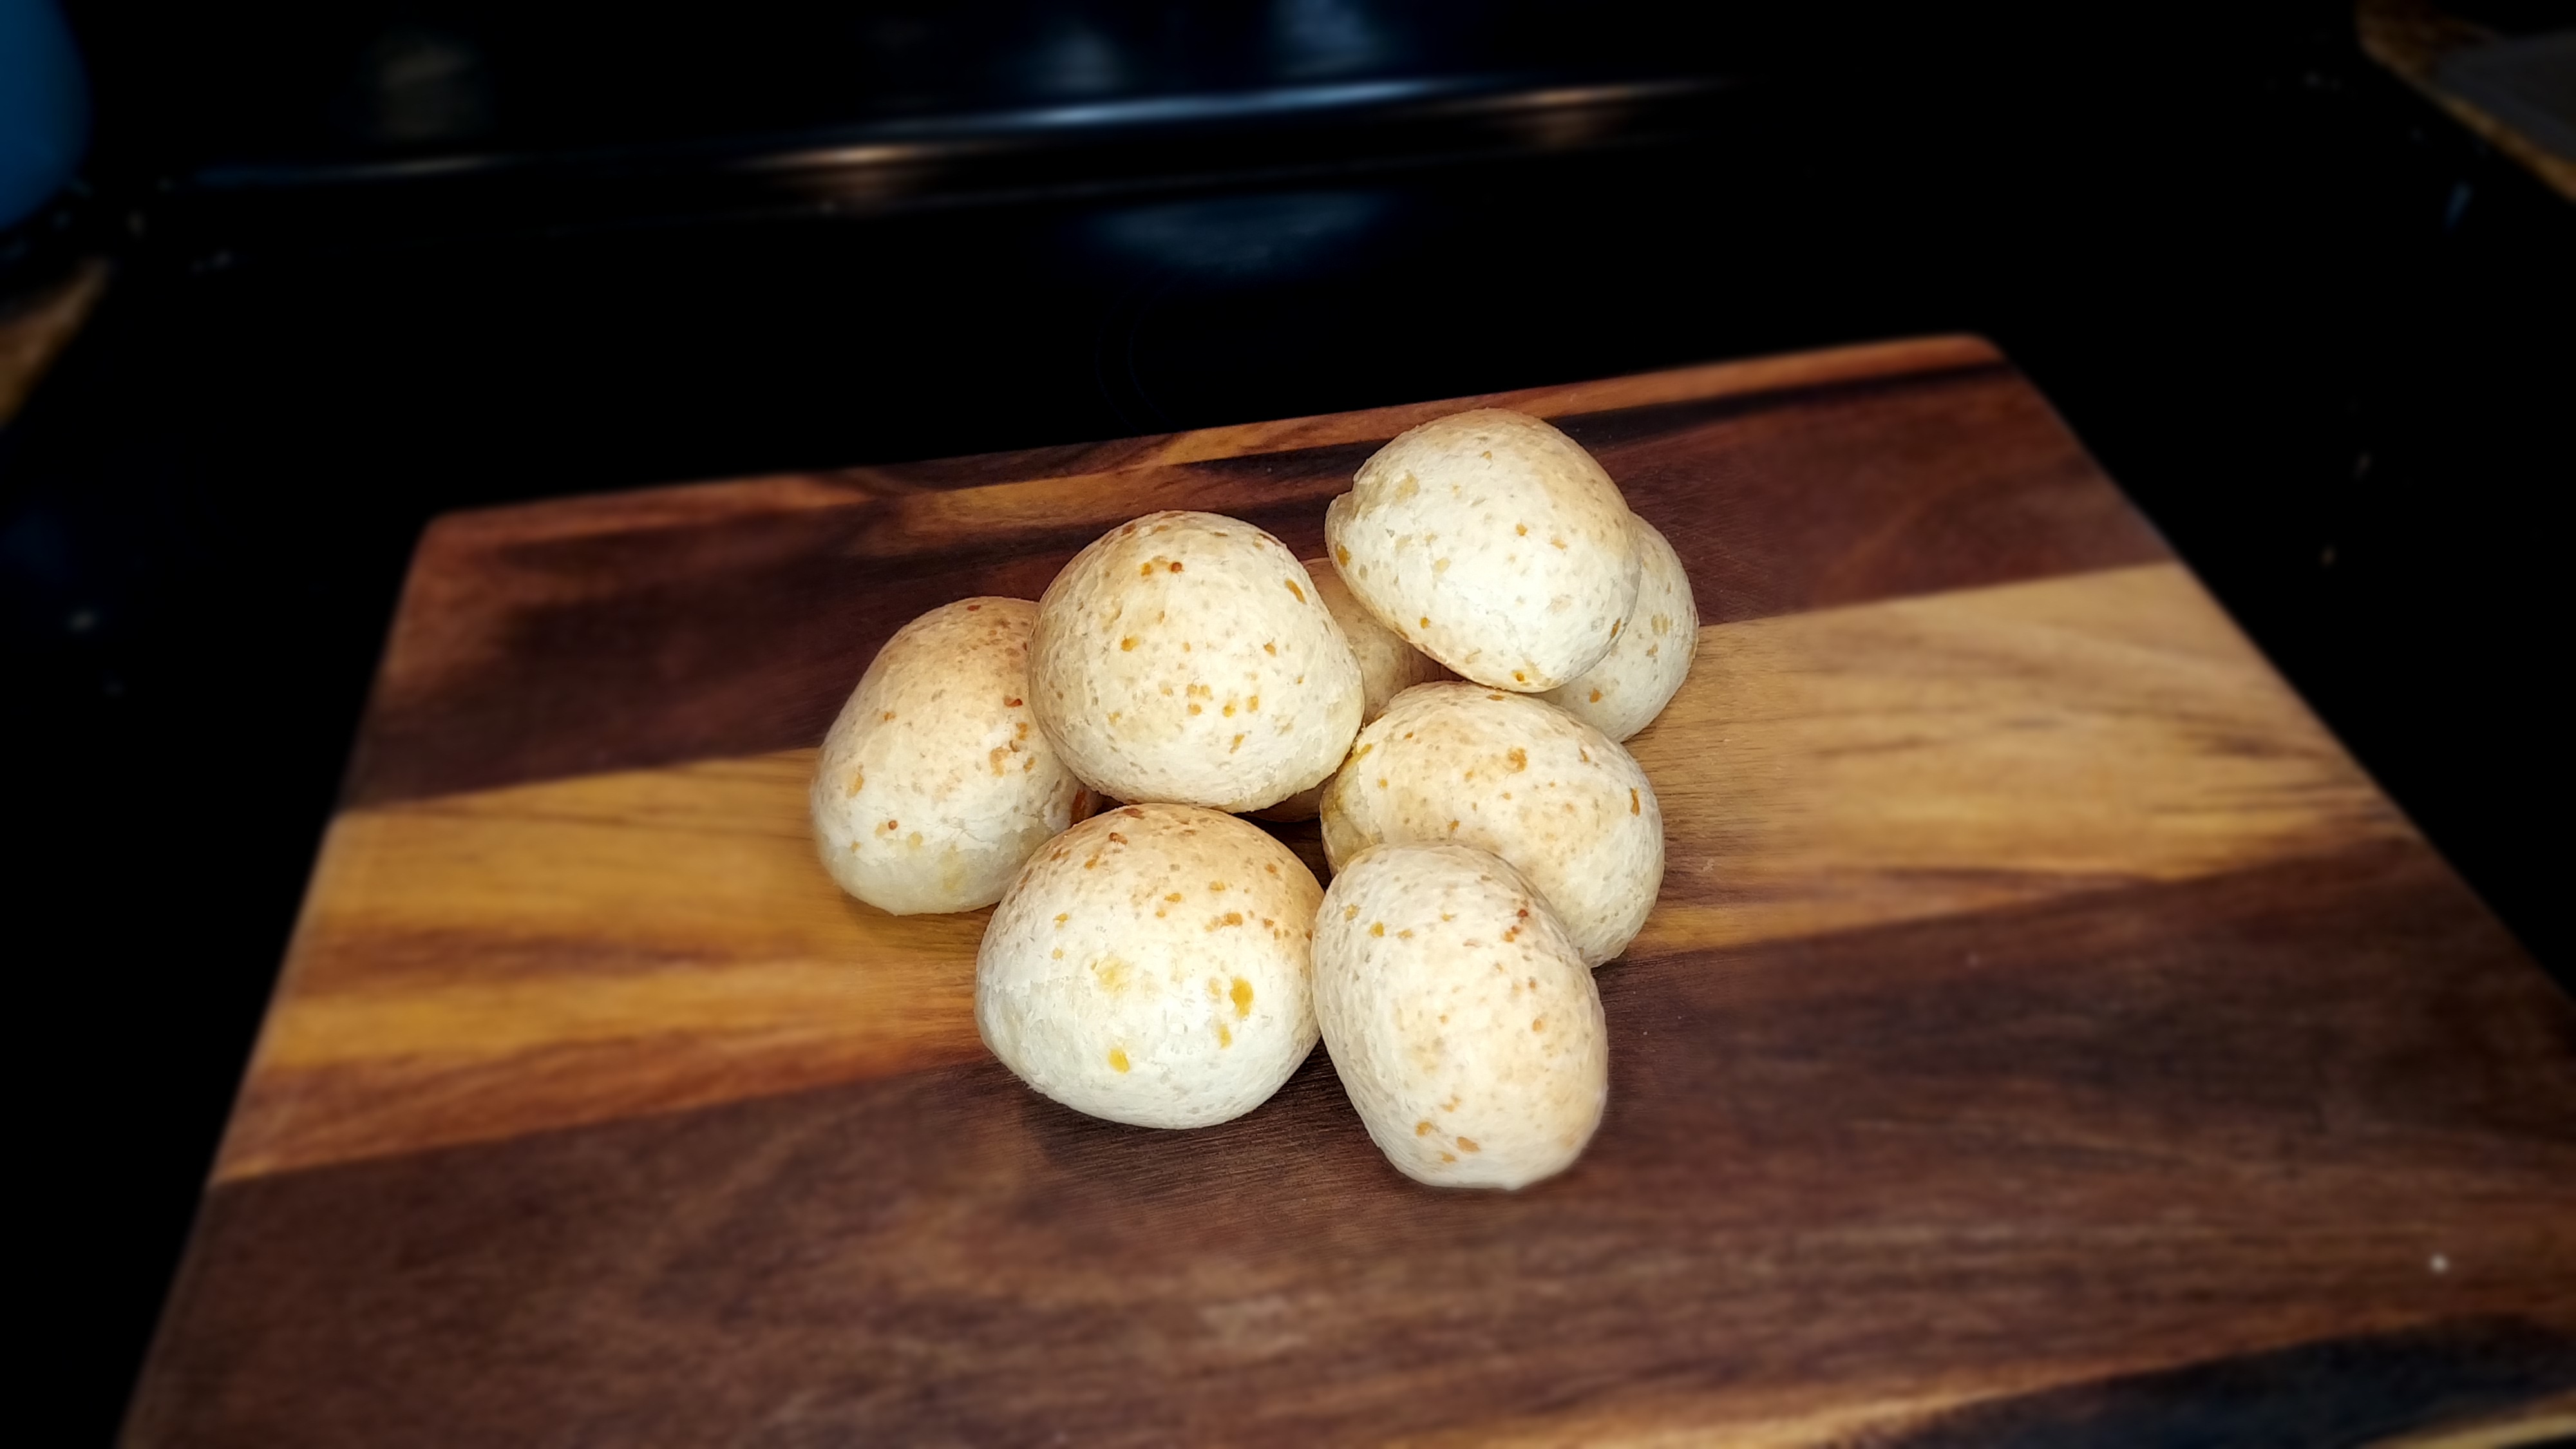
point(2047, 1034)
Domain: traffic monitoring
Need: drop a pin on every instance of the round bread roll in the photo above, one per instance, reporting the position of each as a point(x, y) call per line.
point(1493, 543)
point(1151, 967)
point(1388, 667)
point(1185, 657)
point(1652, 655)
point(1560, 800)
point(1465, 1028)
point(934, 787)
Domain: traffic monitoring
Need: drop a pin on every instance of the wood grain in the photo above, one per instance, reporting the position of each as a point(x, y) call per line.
point(1859, 1180)
point(646, 629)
point(2047, 1035)
point(544, 955)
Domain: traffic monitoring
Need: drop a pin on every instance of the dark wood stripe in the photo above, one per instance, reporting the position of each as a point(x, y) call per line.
point(2066, 1143)
point(565, 640)
point(2354, 1391)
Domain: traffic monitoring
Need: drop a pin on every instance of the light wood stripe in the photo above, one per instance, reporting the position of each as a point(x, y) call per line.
point(484, 965)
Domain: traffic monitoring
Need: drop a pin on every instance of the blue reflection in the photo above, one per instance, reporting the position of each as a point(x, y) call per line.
point(1269, 234)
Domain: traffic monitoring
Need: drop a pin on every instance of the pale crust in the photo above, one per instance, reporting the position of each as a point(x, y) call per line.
point(1651, 657)
point(1493, 543)
point(1150, 966)
point(1462, 1023)
point(1186, 657)
point(1563, 803)
point(1388, 667)
point(934, 785)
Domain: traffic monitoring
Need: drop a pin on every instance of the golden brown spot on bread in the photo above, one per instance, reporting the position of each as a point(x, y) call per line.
point(1242, 994)
point(1422, 1128)
point(1519, 759)
point(1174, 896)
point(1468, 1144)
point(1405, 934)
point(1440, 566)
point(1350, 913)
point(1519, 529)
point(1292, 588)
point(1633, 807)
point(858, 781)
point(1377, 928)
point(1341, 553)
point(1585, 753)
point(1228, 712)
point(1519, 678)
point(889, 714)
point(1145, 571)
point(1496, 695)
point(1274, 870)
point(1128, 643)
point(1426, 623)
point(1012, 702)
point(1511, 934)
point(1176, 565)
point(1539, 1024)
point(1560, 543)
point(1194, 709)
point(1448, 1156)
point(1224, 1035)
point(1269, 648)
point(1118, 1059)
point(1088, 864)
point(1453, 827)
point(1132, 813)
point(894, 825)
point(1238, 744)
point(999, 756)
point(1216, 885)
point(1253, 704)
point(1117, 839)
point(1234, 918)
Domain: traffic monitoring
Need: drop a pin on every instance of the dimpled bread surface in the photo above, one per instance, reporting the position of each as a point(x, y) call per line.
point(1150, 966)
point(1563, 803)
point(1388, 667)
point(1652, 655)
point(1493, 543)
point(1465, 1028)
point(1186, 657)
point(934, 785)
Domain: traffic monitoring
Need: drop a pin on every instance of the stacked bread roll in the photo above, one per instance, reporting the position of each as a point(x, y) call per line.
point(1448, 691)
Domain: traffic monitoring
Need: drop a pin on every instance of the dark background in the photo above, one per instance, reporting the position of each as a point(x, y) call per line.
point(376, 261)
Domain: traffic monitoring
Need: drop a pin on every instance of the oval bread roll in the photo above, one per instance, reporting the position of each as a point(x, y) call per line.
point(934, 787)
point(1493, 543)
point(1465, 1028)
point(1516, 776)
point(1651, 657)
point(1388, 667)
point(1151, 967)
point(1185, 657)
